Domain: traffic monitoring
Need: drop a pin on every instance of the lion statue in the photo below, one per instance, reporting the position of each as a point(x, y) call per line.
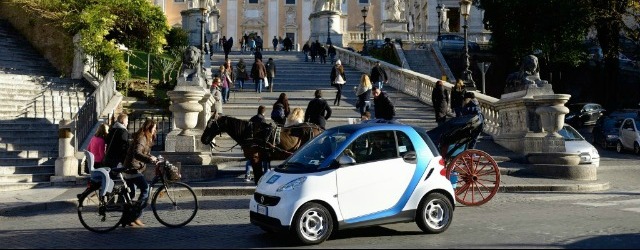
point(191, 64)
point(529, 74)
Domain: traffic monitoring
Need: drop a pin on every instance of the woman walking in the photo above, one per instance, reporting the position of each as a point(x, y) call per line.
point(280, 109)
point(226, 77)
point(241, 73)
point(338, 79)
point(457, 97)
point(364, 94)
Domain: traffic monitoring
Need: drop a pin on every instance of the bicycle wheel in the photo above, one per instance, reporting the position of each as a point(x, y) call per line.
point(98, 215)
point(174, 204)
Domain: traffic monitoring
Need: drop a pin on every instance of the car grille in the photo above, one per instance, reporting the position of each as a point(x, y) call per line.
point(266, 200)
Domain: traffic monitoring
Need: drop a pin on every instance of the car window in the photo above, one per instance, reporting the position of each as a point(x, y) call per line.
point(311, 156)
point(570, 134)
point(627, 124)
point(373, 146)
point(588, 108)
point(404, 143)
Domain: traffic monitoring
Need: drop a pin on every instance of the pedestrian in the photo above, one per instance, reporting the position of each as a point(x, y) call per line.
point(245, 38)
point(259, 44)
point(365, 116)
point(288, 44)
point(440, 100)
point(275, 43)
point(117, 142)
point(258, 73)
point(138, 155)
point(241, 73)
point(271, 72)
point(252, 45)
point(258, 55)
point(318, 110)
point(98, 145)
point(314, 51)
point(226, 80)
point(296, 117)
point(332, 53)
point(383, 107)
point(457, 97)
point(338, 79)
point(217, 95)
point(306, 49)
point(322, 52)
point(280, 109)
point(221, 43)
point(472, 107)
point(259, 119)
point(364, 94)
point(227, 48)
point(378, 75)
point(206, 47)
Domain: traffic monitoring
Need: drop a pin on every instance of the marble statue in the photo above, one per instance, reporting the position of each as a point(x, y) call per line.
point(191, 64)
point(326, 5)
point(393, 9)
point(210, 4)
point(528, 75)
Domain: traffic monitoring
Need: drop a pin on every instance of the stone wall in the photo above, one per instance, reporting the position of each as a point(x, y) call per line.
point(48, 39)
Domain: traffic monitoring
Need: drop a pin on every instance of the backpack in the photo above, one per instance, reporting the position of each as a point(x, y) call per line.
point(277, 114)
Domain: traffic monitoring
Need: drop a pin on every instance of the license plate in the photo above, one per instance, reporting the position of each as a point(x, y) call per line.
point(263, 210)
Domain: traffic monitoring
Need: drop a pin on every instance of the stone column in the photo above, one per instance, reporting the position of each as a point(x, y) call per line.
point(66, 166)
point(320, 26)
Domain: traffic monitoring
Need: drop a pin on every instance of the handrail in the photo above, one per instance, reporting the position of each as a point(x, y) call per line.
point(419, 85)
point(95, 104)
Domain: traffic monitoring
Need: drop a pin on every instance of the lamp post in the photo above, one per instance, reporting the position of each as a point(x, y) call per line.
point(364, 29)
point(329, 21)
point(465, 8)
point(439, 10)
point(205, 13)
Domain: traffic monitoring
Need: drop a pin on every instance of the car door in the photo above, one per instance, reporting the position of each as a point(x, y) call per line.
point(627, 133)
point(378, 178)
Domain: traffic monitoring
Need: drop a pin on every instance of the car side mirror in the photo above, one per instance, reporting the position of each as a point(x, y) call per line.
point(346, 160)
point(410, 157)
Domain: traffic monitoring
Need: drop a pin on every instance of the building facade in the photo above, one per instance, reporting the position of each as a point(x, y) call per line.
point(280, 18)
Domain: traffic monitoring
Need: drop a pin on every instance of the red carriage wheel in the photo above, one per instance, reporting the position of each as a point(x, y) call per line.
point(478, 177)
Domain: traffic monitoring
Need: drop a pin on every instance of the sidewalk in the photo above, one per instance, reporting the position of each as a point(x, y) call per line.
point(231, 181)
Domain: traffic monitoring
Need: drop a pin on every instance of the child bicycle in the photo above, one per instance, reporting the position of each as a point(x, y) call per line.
point(174, 203)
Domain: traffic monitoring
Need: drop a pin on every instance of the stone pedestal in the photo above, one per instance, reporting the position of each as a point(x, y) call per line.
point(66, 166)
point(325, 23)
point(395, 30)
point(191, 24)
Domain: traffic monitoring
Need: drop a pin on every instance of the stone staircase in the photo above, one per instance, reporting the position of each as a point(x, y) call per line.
point(423, 61)
point(299, 80)
point(33, 99)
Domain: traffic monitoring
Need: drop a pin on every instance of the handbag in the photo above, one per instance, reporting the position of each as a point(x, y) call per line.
point(266, 81)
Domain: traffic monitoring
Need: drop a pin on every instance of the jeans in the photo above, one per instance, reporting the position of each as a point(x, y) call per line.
point(306, 56)
point(225, 95)
point(258, 83)
point(333, 59)
point(270, 79)
point(365, 107)
point(240, 82)
point(140, 183)
point(379, 85)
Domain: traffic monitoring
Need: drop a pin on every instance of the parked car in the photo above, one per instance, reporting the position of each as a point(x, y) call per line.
point(605, 131)
point(375, 44)
point(575, 143)
point(629, 135)
point(355, 176)
point(581, 114)
point(452, 42)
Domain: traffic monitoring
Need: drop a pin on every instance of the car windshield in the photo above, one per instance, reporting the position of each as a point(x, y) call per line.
point(570, 134)
point(311, 156)
point(612, 124)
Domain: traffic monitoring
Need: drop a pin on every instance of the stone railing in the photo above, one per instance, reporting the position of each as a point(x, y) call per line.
point(419, 85)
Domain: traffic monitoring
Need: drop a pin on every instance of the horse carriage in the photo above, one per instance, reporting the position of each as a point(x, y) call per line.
point(474, 174)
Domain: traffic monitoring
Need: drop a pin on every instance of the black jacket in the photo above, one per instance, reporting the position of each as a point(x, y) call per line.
point(383, 107)
point(378, 74)
point(440, 99)
point(457, 98)
point(318, 112)
point(117, 145)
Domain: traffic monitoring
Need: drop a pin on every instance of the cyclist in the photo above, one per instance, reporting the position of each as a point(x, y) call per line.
point(138, 155)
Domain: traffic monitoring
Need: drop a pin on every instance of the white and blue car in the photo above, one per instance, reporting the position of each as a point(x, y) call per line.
point(356, 176)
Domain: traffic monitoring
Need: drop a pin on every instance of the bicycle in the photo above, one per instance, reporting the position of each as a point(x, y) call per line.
point(174, 203)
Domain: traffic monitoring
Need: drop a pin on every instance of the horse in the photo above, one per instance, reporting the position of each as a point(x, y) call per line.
point(257, 140)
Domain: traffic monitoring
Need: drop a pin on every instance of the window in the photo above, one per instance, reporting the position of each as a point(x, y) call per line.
point(290, 2)
point(253, 1)
point(374, 146)
point(178, 1)
point(404, 143)
point(363, 1)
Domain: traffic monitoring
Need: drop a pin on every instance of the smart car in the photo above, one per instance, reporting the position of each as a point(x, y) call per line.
point(356, 176)
point(629, 137)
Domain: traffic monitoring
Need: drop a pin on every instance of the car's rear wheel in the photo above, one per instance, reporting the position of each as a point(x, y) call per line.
point(312, 224)
point(619, 147)
point(435, 213)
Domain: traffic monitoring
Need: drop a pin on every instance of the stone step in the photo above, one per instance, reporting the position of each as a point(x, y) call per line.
point(43, 144)
point(30, 154)
point(17, 162)
point(22, 186)
point(27, 124)
point(28, 133)
point(26, 178)
point(25, 140)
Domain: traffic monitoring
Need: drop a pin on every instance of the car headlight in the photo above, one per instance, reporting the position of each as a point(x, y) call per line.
point(594, 153)
point(612, 137)
point(292, 184)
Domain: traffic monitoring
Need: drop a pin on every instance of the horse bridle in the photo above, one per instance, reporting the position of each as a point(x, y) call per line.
point(214, 120)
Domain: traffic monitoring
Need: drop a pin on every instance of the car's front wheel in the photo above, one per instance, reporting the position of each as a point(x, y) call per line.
point(312, 224)
point(619, 147)
point(435, 213)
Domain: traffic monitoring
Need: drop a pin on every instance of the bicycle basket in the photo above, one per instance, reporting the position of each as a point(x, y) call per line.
point(171, 172)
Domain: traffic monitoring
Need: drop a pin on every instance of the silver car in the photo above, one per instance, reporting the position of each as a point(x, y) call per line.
point(629, 135)
point(575, 143)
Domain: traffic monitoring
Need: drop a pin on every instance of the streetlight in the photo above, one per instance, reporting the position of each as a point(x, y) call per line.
point(364, 29)
point(465, 8)
point(204, 7)
point(329, 21)
point(439, 10)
